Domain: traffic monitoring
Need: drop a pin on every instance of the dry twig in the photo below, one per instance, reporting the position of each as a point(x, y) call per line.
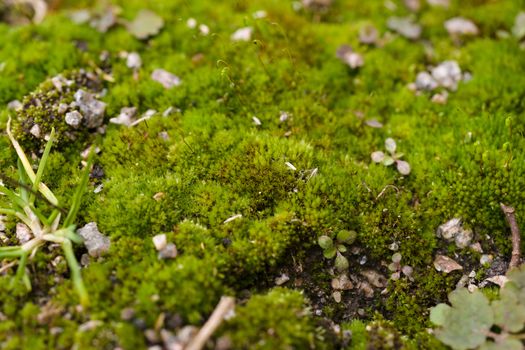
point(515, 231)
point(226, 304)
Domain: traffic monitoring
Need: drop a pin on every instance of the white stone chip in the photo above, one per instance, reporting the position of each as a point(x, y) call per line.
point(167, 79)
point(160, 241)
point(74, 119)
point(242, 34)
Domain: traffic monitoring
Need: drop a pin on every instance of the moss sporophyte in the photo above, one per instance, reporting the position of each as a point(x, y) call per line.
point(28, 203)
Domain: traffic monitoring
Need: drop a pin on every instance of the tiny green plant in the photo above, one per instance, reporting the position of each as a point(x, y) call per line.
point(388, 159)
point(335, 249)
point(24, 206)
point(398, 269)
point(472, 322)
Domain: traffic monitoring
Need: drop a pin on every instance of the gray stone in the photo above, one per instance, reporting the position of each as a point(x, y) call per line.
point(167, 79)
point(447, 74)
point(405, 26)
point(74, 119)
point(92, 109)
point(450, 229)
point(463, 238)
point(96, 243)
point(133, 60)
point(425, 81)
point(23, 233)
point(461, 26)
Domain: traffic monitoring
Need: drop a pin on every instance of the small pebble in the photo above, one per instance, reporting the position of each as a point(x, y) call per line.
point(463, 238)
point(337, 296)
point(425, 82)
point(23, 233)
point(447, 74)
point(461, 26)
point(160, 241)
point(450, 229)
point(445, 264)
point(35, 131)
point(165, 78)
point(96, 243)
point(368, 35)
point(133, 60)
point(486, 259)
point(127, 313)
point(204, 29)
point(242, 34)
point(92, 109)
point(74, 119)
point(191, 23)
point(282, 279)
point(347, 55)
point(283, 116)
point(405, 26)
point(15, 105)
point(169, 252)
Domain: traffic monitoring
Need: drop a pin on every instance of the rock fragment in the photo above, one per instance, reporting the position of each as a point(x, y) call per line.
point(447, 74)
point(518, 30)
point(15, 105)
point(96, 243)
point(165, 78)
point(126, 116)
point(453, 230)
point(375, 278)
point(425, 82)
point(342, 283)
point(73, 118)
point(282, 279)
point(169, 252)
point(459, 26)
point(35, 131)
point(23, 233)
point(317, 5)
point(347, 55)
point(445, 264)
point(368, 35)
point(92, 109)
point(405, 26)
point(160, 241)
point(133, 60)
point(242, 34)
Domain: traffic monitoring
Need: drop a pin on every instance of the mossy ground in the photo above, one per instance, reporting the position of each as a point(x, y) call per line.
point(467, 156)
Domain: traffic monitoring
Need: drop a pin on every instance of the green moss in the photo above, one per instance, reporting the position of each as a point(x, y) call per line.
point(278, 319)
point(187, 173)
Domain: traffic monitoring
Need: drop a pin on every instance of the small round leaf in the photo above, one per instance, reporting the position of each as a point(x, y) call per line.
point(329, 253)
point(341, 263)
point(325, 242)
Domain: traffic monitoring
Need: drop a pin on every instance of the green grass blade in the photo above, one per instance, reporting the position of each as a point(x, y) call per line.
point(76, 275)
point(81, 188)
point(23, 183)
point(20, 152)
point(42, 166)
point(26, 165)
point(16, 201)
point(14, 253)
